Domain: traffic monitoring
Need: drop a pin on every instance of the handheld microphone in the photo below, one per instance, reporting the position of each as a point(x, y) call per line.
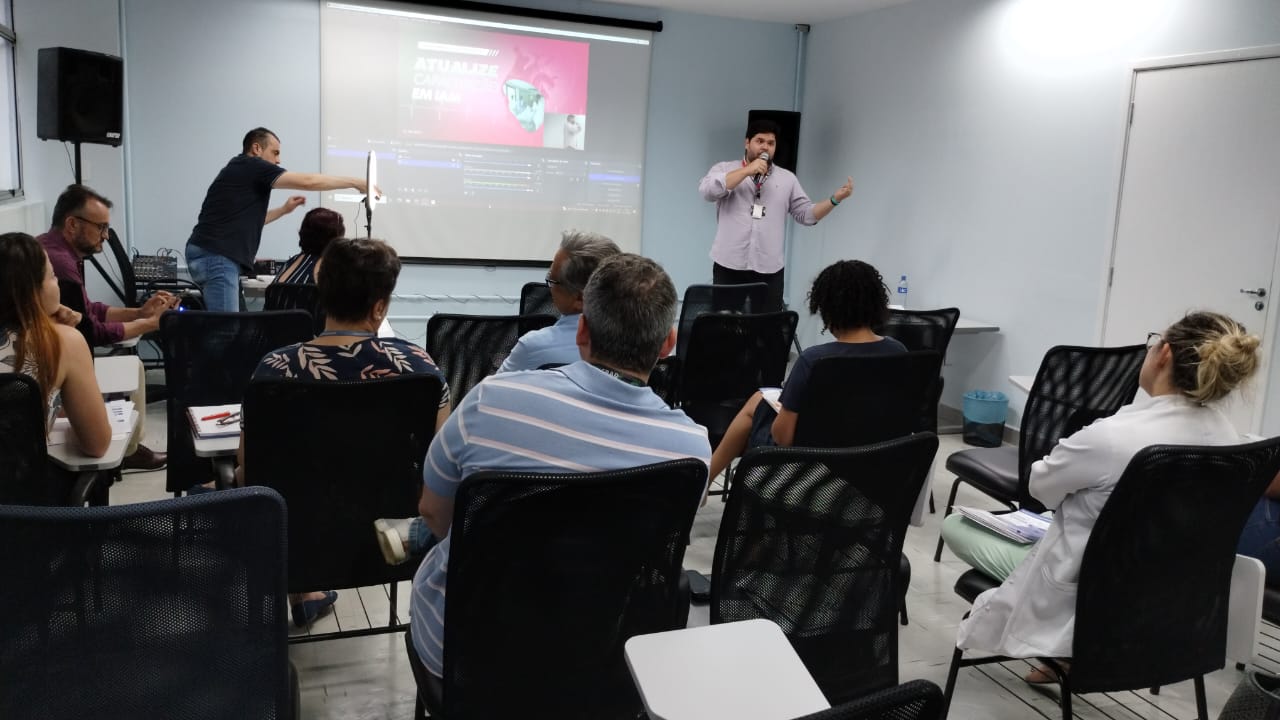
point(765, 157)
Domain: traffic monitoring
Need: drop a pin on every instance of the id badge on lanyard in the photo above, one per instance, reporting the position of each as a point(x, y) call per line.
point(757, 208)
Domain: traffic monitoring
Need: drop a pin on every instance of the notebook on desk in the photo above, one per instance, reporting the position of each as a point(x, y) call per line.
point(214, 421)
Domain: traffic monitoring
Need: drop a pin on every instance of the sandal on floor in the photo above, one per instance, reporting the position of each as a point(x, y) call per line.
point(306, 612)
point(1042, 675)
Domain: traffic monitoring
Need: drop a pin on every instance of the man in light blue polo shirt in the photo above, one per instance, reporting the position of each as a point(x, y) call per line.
point(594, 414)
point(579, 255)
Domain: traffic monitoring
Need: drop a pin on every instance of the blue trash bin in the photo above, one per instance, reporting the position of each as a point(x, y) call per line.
point(984, 415)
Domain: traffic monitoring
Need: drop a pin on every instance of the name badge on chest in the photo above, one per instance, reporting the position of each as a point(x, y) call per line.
point(757, 211)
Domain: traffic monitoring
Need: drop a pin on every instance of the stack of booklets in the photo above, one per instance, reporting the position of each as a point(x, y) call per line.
point(120, 413)
point(214, 421)
point(1022, 526)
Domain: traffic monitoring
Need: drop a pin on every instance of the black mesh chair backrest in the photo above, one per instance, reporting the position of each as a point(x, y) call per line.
point(702, 299)
point(550, 575)
point(861, 400)
point(924, 330)
point(470, 348)
point(296, 296)
point(535, 299)
point(912, 700)
point(24, 455)
point(1074, 387)
point(1154, 583)
point(168, 609)
point(208, 360)
point(71, 294)
point(128, 279)
point(729, 357)
point(342, 454)
point(811, 539)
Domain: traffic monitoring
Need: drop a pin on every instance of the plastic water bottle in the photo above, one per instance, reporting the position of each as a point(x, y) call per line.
point(902, 292)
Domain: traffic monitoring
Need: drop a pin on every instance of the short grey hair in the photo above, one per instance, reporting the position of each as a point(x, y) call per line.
point(584, 252)
point(629, 306)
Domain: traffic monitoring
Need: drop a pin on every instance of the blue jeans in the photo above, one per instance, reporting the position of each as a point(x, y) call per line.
point(218, 278)
point(420, 537)
point(1261, 538)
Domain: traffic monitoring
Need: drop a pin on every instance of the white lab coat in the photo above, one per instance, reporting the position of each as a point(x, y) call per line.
point(1032, 614)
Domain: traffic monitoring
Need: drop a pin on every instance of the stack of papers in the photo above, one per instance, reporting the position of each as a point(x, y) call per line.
point(1023, 526)
point(773, 396)
point(121, 414)
point(214, 421)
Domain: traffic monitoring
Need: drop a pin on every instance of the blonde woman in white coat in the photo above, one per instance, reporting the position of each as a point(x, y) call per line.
point(1197, 361)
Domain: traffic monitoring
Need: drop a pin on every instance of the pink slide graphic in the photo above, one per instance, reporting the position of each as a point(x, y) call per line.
point(462, 85)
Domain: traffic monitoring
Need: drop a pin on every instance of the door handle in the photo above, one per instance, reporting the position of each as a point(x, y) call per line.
point(1260, 292)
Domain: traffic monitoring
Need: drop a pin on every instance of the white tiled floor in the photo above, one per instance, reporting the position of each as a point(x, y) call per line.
point(370, 677)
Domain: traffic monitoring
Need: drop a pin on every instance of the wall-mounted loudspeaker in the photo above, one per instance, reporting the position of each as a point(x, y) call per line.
point(79, 96)
point(788, 139)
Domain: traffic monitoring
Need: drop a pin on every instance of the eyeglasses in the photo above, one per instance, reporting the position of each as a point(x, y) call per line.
point(102, 227)
point(551, 282)
point(1154, 339)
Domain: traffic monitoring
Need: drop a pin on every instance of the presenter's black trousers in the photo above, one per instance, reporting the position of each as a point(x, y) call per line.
point(721, 275)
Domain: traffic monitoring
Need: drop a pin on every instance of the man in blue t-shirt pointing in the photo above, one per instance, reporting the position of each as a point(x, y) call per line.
point(229, 230)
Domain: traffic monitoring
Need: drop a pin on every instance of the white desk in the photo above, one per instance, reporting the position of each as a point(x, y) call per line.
point(1022, 382)
point(969, 326)
point(69, 458)
point(117, 374)
point(734, 671)
point(256, 286)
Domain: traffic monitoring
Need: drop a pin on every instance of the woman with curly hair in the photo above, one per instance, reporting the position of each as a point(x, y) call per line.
point(850, 296)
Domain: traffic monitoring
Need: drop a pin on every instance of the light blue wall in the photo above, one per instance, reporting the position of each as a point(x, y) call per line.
point(202, 73)
point(986, 142)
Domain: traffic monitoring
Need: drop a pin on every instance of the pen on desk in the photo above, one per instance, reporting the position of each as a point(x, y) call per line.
point(215, 416)
point(230, 418)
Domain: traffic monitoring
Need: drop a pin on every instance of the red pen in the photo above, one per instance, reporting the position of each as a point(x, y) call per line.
point(215, 417)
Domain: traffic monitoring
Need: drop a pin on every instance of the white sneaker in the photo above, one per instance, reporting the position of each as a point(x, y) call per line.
point(393, 538)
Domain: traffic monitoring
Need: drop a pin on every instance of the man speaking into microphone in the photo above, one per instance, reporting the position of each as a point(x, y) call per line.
point(753, 199)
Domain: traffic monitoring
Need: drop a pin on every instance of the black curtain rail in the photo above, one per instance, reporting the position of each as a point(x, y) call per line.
point(654, 26)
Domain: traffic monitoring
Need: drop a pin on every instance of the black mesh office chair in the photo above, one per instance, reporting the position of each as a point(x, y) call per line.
point(912, 700)
point(548, 577)
point(208, 360)
point(26, 475)
point(925, 330)
point(728, 358)
point(169, 609)
point(861, 400)
point(342, 454)
point(811, 539)
point(702, 299)
point(535, 299)
point(853, 401)
point(1155, 578)
point(1074, 387)
point(296, 296)
point(470, 348)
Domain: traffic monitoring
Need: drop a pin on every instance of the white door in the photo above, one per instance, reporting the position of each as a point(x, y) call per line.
point(1199, 214)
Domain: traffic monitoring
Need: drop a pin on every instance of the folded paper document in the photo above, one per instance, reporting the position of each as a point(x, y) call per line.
point(1022, 526)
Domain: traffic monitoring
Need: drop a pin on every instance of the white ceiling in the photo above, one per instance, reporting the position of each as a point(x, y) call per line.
point(789, 11)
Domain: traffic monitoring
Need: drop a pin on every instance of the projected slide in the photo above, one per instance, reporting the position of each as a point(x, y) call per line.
point(493, 133)
point(492, 88)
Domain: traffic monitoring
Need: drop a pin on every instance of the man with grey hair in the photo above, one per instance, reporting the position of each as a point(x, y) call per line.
point(595, 414)
point(579, 255)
